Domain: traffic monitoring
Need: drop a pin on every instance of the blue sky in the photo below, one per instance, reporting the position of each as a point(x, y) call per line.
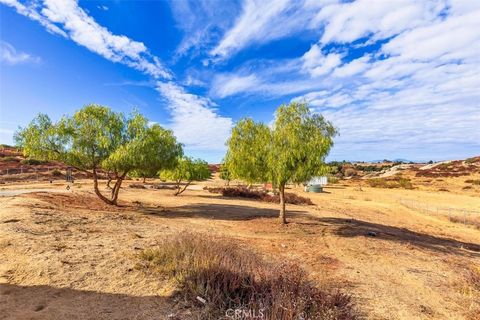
point(400, 79)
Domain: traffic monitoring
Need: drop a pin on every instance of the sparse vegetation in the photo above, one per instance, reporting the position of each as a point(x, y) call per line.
point(474, 182)
point(242, 192)
point(33, 162)
point(396, 182)
point(9, 158)
point(56, 173)
point(228, 276)
point(187, 170)
point(96, 138)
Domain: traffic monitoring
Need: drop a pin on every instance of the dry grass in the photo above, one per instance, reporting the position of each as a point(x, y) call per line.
point(396, 182)
point(472, 221)
point(227, 276)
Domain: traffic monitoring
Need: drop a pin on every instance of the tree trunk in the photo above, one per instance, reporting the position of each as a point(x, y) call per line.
point(178, 189)
point(115, 190)
point(108, 183)
point(184, 188)
point(144, 179)
point(97, 191)
point(283, 219)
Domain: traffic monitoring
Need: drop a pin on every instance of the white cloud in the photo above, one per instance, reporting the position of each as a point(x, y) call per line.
point(195, 121)
point(352, 68)
point(347, 22)
point(202, 22)
point(66, 18)
point(318, 64)
point(31, 12)
point(416, 92)
point(226, 85)
point(10, 55)
point(102, 7)
point(263, 21)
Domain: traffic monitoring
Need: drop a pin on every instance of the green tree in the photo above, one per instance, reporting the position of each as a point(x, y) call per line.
point(292, 151)
point(247, 154)
point(188, 170)
point(96, 139)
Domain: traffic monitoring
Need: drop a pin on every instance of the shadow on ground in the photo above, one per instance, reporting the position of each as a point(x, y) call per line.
point(45, 302)
point(218, 212)
point(354, 228)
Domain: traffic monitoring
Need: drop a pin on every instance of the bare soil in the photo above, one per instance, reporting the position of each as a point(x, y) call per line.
point(66, 255)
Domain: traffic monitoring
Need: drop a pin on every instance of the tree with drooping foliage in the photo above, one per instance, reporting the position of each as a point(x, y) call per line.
point(96, 139)
point(186, 170)
point(292, 151)
point(247, 154)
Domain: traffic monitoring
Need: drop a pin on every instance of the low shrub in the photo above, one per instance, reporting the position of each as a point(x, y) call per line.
point(467, 220)
point(396, 182)
point(242, 192)
point(56, 173)
point(332, 179)
point(350, 172)
point(214, 275)
point(137, 186)
point(9, 159)
point(474, 182)
point(33, 162)
point(472, 160)
point(473, 276)
point(290, 198)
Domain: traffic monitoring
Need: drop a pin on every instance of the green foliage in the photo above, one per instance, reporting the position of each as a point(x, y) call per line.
point(33, 162)
point(225, 174)
point(300, 142)
point(248, 149)
point(332, 179)
point(96, 137)
point(293, 150)
point(188, 170)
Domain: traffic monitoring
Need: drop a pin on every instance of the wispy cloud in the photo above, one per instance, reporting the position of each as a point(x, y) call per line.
point(66, 18)
point(203, 23)
point(195, 120)
point(414, 88)
point(9, 55)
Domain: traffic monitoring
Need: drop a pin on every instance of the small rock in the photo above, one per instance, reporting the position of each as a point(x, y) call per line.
point(372, 234)
point(39, 307)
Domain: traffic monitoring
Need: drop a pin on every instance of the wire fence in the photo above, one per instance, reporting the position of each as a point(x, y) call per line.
point(22, 170)
point(465, 216)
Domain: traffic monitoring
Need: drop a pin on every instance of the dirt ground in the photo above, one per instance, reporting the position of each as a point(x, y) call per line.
point(66, 255)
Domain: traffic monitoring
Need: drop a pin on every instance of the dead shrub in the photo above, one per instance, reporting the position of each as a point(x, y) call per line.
point(474, 182)
point(242, 192)
point(214, 275)
point(473, 276)
point(472, 221)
